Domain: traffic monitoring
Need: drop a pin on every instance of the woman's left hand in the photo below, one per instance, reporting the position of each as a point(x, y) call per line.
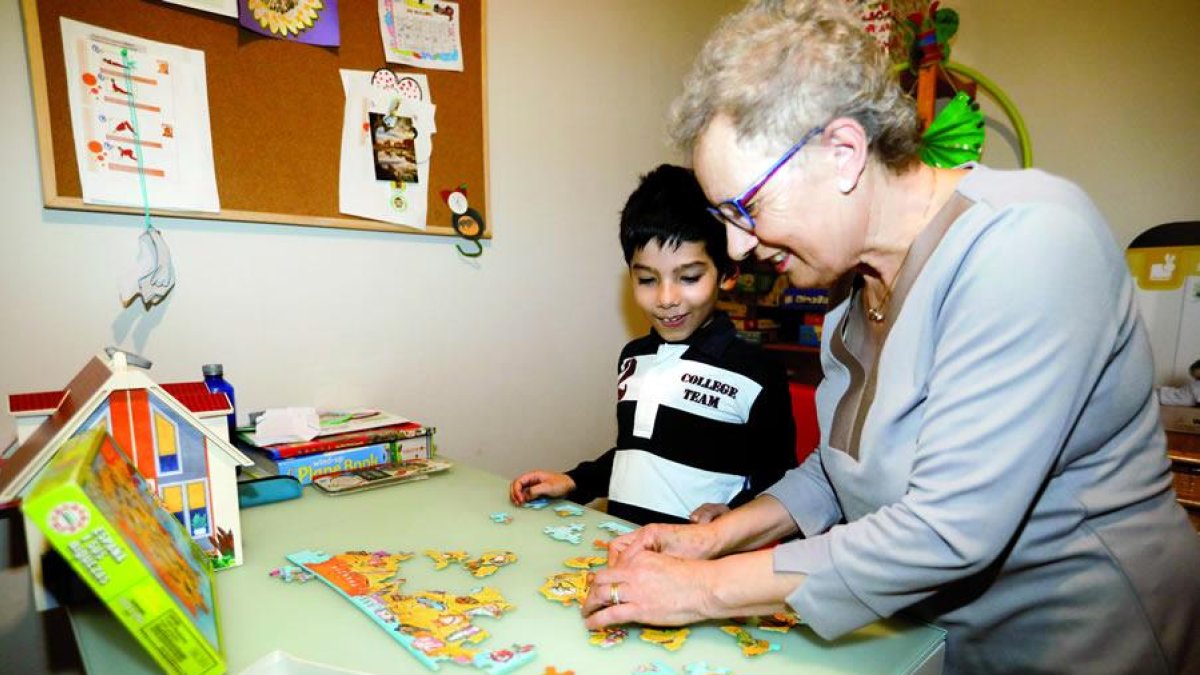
point(650, 588)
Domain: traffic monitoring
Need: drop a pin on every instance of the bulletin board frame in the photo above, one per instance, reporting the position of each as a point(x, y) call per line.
point(275, 110)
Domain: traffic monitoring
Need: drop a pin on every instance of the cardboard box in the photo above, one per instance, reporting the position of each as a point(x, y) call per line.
point(98, 512)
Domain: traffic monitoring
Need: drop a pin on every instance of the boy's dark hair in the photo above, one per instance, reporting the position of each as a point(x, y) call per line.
point(1194, 368)
point(669, 206)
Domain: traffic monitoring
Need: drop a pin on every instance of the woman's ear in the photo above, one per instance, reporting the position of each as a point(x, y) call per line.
point(849, 143)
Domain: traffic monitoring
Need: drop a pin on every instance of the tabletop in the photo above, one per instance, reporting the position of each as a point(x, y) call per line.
point(451, 511)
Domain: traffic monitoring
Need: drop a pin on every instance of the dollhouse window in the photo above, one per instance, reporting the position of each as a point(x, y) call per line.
point(198, 509)
point(172, 497)
point(167, 443)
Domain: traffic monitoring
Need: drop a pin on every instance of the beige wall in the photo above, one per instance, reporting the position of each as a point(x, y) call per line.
point(1110, 91)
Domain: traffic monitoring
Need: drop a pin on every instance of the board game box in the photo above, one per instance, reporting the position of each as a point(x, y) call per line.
point(99, 514)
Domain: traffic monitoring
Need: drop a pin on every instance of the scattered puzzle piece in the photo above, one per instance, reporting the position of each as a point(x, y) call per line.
point(600, 544)
point(615, 528)
point(609, 636)
point(491, 561)
point(703, 668)
point(750, 645)
point(434, 626)
point(567, 587)
point(565, 532)
point(670, 639)
point(290, 573)
point(566, 510)
point(442, 559)
point(780, 622)
point(586, 562)
point(656, 667)
point(539, 503)
point(551, 670)
point(501, 518)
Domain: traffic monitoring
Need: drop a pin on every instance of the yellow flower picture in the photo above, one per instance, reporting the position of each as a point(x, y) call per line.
point(286, 17)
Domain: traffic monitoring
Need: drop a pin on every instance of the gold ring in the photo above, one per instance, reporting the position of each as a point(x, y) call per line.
point(614, 594)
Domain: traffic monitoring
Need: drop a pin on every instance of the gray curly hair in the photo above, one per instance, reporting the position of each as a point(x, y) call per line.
point(778, 68)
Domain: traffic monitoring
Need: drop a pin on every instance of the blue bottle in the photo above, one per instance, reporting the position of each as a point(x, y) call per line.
point(214, 379)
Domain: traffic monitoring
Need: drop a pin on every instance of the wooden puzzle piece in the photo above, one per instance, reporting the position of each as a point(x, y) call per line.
point(609, 636)
point(586, 562)
point(569, 533)
point(501, 518)
point(551, 670)
point(615, 528)
point(537, 504)
point(670, 639)
point(489, 562)
point(290, 573)
point(442, 559)
point(567, 587)
point(749, 645)
point(779, 622)
point(565, 510)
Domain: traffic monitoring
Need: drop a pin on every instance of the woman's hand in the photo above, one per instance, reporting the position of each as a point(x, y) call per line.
point(534, 484)
point(706, 513)
point(680, 541)
point(651, 588)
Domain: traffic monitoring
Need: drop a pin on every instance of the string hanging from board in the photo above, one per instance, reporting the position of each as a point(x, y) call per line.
point(153, 275)
point(466, 221)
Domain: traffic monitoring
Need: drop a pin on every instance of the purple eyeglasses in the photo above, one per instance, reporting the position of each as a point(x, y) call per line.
point(734, 211)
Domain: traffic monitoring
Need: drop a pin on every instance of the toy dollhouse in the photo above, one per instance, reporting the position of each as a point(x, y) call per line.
point(173, 434)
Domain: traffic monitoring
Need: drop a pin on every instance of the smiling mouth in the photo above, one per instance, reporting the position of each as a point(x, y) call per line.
point(779, 260)
point(673, 321)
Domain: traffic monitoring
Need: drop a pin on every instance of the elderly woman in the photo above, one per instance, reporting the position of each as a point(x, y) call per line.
point(991, 457)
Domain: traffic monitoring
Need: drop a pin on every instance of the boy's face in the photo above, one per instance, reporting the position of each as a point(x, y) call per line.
point(675, 287)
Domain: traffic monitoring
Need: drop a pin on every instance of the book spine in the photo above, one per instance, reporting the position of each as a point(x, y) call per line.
point(97, 552)
point(342, 441)
point(307, 467)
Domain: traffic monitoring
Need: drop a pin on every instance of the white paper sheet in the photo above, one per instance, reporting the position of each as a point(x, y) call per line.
point(222, 7)
point(425, 35)
point(170, 96)
point(359, 192)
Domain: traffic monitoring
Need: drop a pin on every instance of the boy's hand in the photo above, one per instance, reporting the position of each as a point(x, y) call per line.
point(534, 484)
point(708, 512)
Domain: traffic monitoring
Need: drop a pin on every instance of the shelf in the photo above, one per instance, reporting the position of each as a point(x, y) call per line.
point(789, 347)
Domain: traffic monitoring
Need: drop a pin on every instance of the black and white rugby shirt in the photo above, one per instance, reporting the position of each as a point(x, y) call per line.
point(705, 420)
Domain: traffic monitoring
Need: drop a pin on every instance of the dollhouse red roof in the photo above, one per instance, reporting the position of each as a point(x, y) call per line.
point(35, 403)
point(193, 395)
point(197, 398)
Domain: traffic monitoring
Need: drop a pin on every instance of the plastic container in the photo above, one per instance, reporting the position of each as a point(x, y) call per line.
point(214, 379)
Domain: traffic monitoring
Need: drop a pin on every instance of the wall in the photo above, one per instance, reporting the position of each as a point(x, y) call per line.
point(511, 355)
point(1109, 92)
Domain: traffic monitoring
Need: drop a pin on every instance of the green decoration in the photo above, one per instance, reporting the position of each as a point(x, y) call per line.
point(955, 136)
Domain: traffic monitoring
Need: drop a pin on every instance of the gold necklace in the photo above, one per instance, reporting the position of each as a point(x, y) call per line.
point(876, 314)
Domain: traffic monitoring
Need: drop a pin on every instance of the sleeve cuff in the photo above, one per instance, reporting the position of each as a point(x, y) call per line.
point(823, 600)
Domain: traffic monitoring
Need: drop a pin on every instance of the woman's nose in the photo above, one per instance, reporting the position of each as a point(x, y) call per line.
point(740, 242)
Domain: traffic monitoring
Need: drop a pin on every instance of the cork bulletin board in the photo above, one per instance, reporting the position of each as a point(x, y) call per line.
point(275, 110)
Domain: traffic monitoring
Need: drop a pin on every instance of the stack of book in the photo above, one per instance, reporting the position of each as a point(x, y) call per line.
point(330, 453)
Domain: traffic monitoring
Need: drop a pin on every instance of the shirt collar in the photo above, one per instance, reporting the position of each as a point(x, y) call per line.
point(713, 338)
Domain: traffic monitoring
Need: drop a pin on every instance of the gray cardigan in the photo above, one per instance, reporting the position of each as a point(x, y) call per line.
point(1009, 482)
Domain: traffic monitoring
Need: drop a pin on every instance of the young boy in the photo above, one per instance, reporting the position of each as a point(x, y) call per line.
point(704, 418)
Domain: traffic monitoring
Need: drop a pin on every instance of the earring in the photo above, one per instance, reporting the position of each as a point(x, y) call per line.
point(846, 186)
